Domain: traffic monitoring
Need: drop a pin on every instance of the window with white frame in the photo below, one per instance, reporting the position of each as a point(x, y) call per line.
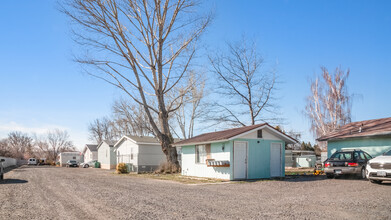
point(200, 152)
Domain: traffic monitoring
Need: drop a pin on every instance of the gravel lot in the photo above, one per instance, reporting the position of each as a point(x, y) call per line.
point(75, 193)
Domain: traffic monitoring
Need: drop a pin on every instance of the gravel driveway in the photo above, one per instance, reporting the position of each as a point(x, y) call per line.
point(75, 193)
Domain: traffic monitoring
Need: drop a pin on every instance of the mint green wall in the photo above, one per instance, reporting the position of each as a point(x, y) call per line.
point(258, 164)
point(375, 146)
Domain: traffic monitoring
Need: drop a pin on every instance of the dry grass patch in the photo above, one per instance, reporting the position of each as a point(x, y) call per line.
point(299, 171)
point(179, 178)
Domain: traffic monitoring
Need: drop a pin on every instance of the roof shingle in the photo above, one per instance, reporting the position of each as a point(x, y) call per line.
point(375, 127)
point(92, 147)
point(219, 135)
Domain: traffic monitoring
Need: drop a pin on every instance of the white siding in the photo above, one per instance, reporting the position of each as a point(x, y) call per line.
point(143, 154)
point(90, 155)
point(8, 161)
point(106, 156)
point(191, 168)
point(265, 135)
point(64, 157)
point(150, 155)
point(125, 150)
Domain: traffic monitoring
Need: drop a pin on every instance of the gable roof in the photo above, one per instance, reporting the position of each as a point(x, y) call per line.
point(231, 134)
point(92, 147)
point(139, 140)
point(375, 127)
point(110, 143)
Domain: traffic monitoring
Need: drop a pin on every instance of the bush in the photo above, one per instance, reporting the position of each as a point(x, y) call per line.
point(122, 168)
point(168, 167)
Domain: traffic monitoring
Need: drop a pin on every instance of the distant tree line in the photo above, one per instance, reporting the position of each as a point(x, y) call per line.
point(22, 146)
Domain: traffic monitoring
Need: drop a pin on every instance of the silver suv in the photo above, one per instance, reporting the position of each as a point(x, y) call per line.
point(379, 168)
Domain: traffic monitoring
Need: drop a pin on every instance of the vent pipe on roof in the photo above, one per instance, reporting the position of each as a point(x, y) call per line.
point(360, 129)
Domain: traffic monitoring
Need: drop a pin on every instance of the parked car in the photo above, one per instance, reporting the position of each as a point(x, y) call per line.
point(379, 168)
point(32, 161)
point(72, 163)
point(88, 164)
point(347, 162)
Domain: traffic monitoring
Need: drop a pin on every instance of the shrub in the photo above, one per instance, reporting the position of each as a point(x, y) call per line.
point(122, 168)
point(168, 167)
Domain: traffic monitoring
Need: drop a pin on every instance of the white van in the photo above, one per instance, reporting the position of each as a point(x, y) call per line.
point(32, 161)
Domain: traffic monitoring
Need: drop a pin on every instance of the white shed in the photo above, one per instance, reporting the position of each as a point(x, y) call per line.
point(106, 155)
point(143, 154)
point(90, 152)
point(65, 156)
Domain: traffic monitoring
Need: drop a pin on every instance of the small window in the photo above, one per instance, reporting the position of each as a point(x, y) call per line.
point(74, 158)
point(259, 133)
point(201, 155)
point(342, 156)
point(369, 156)
point(362, 157)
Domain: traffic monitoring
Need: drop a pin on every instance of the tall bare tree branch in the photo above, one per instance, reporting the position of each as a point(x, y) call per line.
point(148, 46)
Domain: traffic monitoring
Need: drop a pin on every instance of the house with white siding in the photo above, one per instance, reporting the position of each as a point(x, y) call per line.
point(90, 152)
point(106, 155)
point(250, 152)
point(140, 153)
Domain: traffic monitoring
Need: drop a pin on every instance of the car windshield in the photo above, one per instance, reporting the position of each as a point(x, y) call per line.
point(341, 156)
point(388, 153)
point(72, 161)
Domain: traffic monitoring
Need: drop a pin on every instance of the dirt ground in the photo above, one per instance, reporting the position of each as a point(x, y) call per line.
point(76, 193)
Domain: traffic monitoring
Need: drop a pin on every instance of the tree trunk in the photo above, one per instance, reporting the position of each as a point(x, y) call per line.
point(170, 152)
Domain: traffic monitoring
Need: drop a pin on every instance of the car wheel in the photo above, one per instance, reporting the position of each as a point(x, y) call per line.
point(363, 173)
point(86, 166)
point(376, 181)
point(329, 176)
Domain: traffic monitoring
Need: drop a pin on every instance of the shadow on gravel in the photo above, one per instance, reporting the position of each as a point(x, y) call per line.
point(304, 178)
point(12, 181)
point(7, 169)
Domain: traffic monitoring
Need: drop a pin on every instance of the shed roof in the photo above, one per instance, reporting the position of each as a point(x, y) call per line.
point(232, 134)
point(141, 140)
point(375, 127)
point(92, 147)
point(110, 143)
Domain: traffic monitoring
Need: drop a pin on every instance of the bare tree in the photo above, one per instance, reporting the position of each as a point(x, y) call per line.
point(20, 145)
point(41, 144)
point(101, 129)
point(143, 47)
point(190, 110)
point(5, 149)
point(328, 106)
point(247, 90)
point(58, 141)
point(130, 118)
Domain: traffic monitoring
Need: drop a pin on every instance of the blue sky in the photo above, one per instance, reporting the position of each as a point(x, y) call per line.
point(42, 88)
